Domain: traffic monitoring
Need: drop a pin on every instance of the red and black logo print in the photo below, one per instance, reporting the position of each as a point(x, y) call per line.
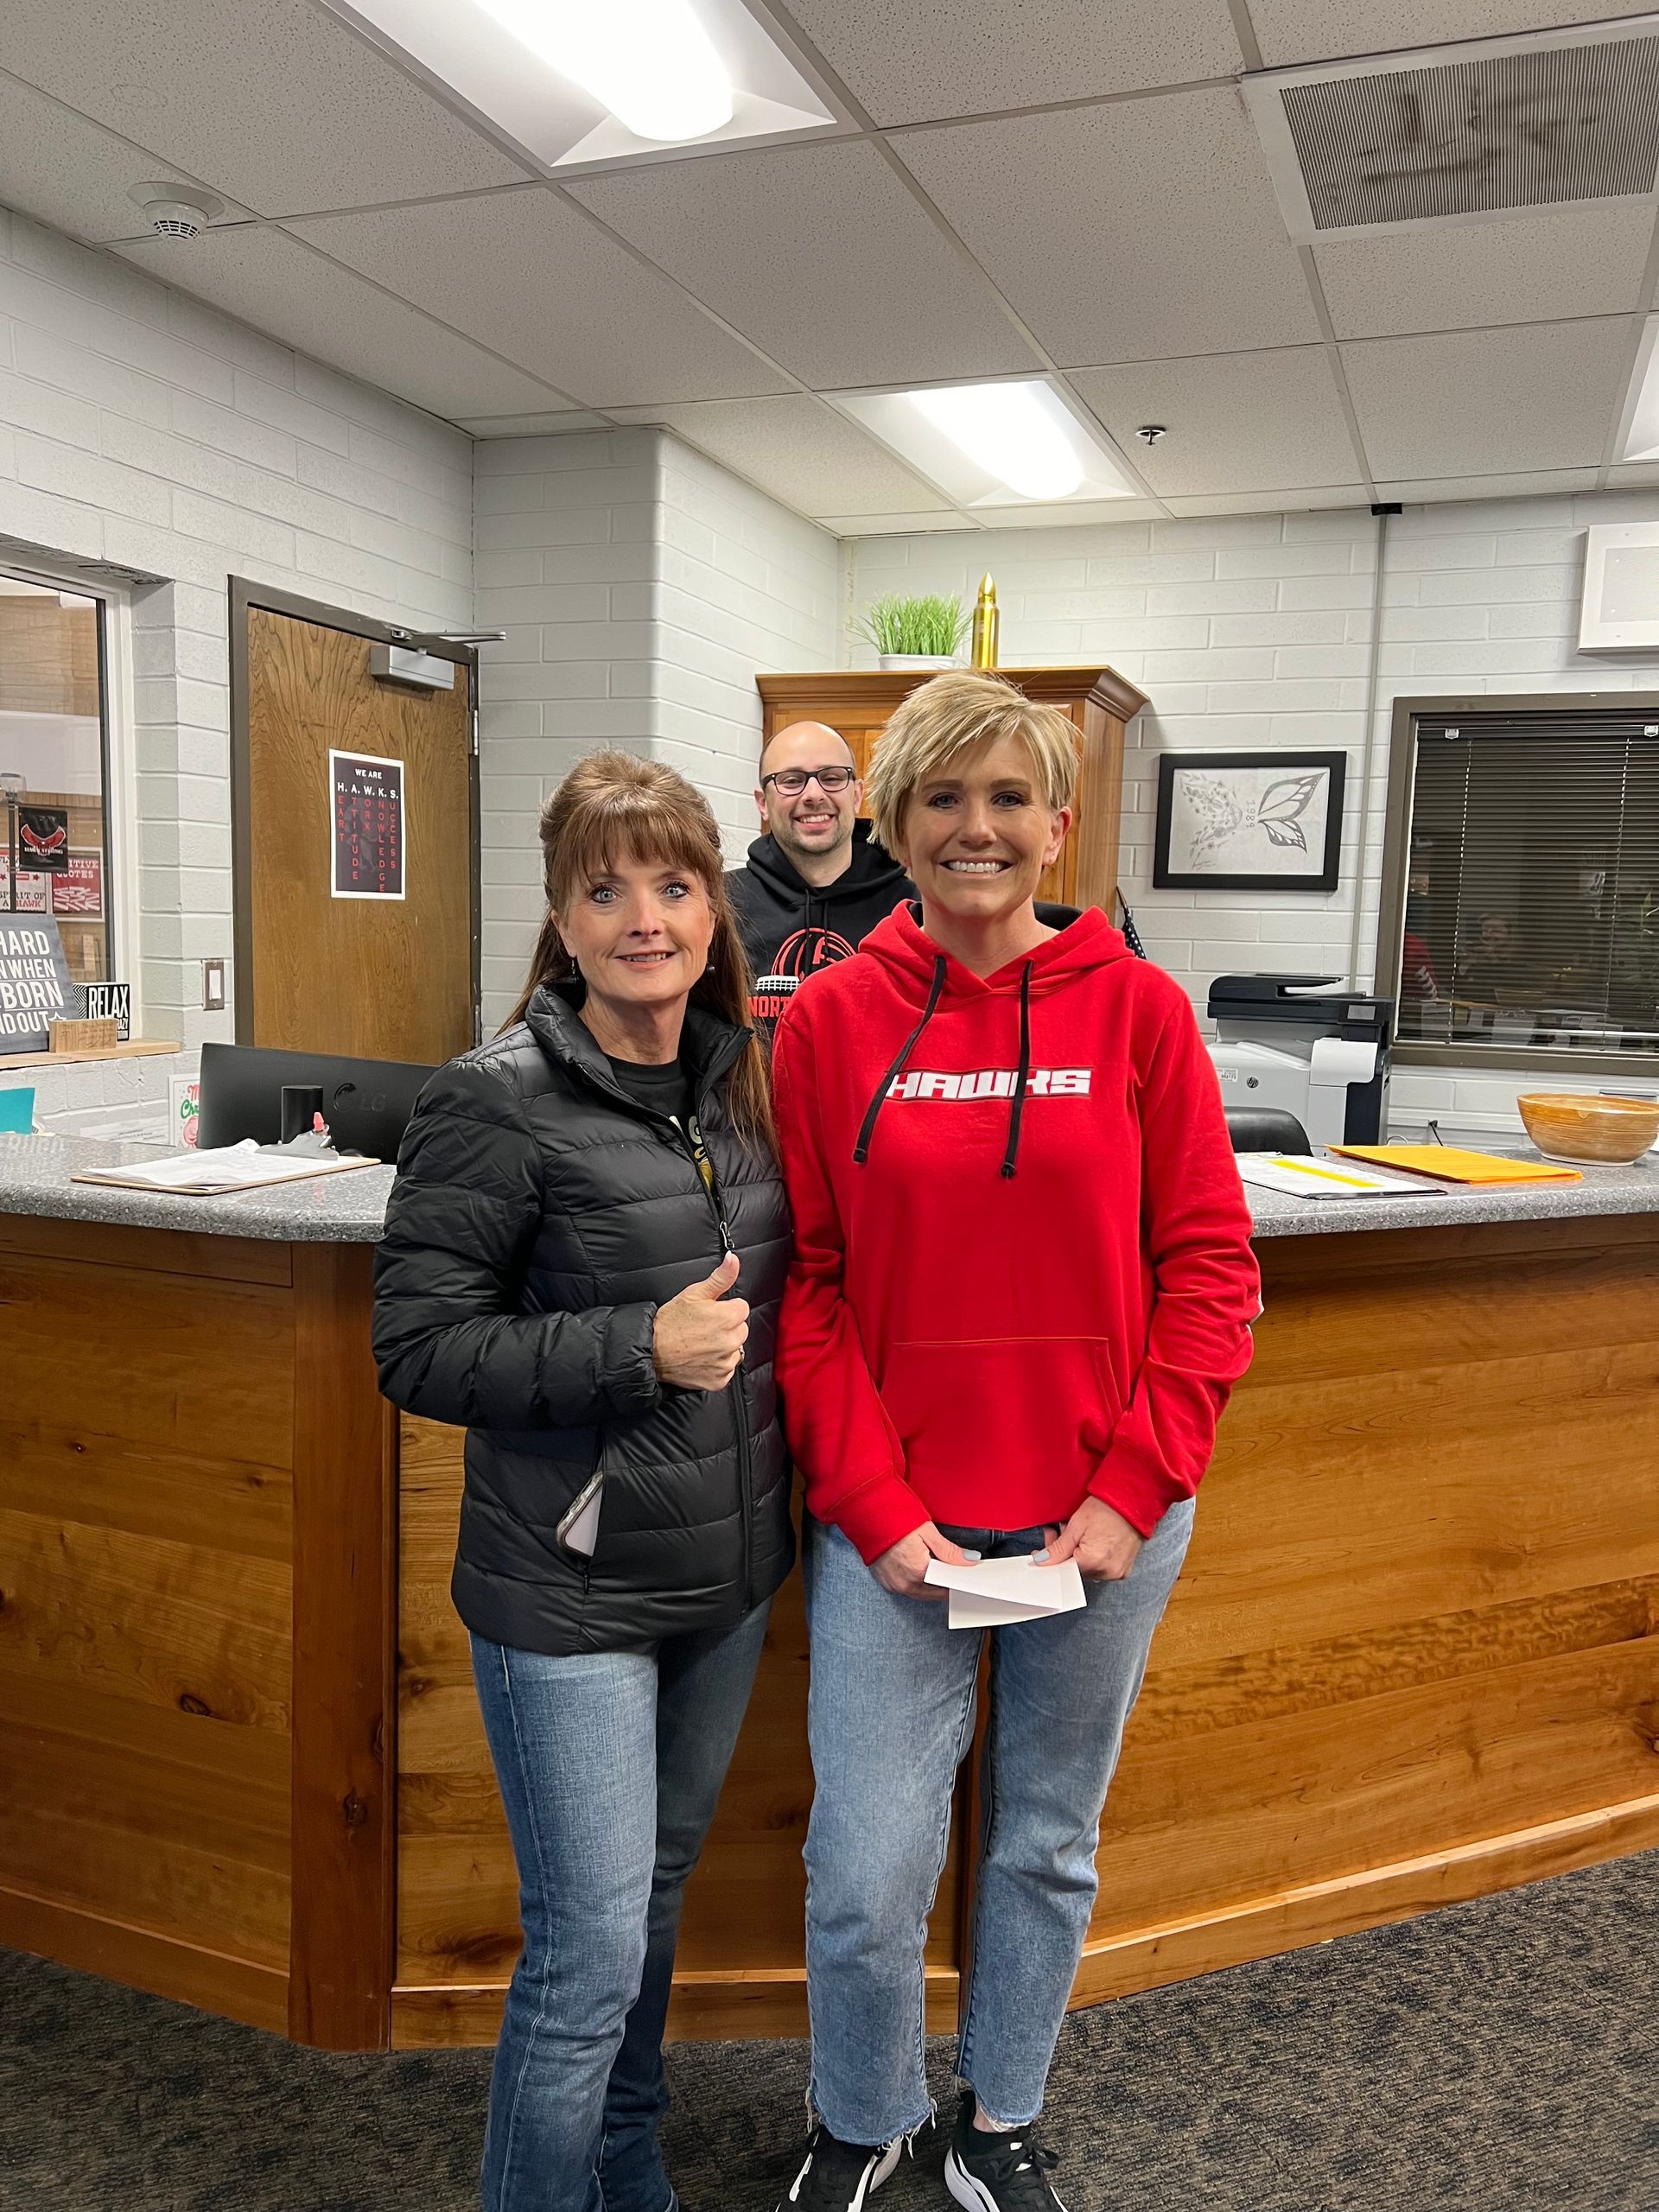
point(807, 950)
point(798, 956)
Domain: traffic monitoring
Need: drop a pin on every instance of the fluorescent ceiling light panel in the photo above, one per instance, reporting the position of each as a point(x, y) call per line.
point(590, 83)
point(648, 61)
point(1640, 435)
point(994, 445)
point(1004, 429)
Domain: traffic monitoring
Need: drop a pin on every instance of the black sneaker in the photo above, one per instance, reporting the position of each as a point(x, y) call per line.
point(999, 2173)
point(837, 2177)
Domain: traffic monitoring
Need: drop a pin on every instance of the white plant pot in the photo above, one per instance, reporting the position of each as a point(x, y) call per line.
point(918, 660)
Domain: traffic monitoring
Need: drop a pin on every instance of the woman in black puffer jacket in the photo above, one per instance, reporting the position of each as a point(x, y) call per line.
point(584, 1255)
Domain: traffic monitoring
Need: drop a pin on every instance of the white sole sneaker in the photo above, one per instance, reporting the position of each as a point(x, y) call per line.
point(963, 2186)
point(881, 2171)
point(965, 2190)
point(890, 2158)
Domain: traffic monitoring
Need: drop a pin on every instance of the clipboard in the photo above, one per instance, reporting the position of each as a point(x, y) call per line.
point(190, 1175)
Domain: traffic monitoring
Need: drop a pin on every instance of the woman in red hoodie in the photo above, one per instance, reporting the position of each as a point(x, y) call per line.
point(1021, 1292)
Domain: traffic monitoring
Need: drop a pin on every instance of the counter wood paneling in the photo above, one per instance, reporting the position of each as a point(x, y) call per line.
point(195, 1591)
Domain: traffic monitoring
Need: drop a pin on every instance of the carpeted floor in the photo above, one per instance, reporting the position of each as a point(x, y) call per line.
point(1502, 2056)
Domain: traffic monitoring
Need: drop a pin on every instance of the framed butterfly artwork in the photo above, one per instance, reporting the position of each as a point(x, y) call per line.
point(1249, 821)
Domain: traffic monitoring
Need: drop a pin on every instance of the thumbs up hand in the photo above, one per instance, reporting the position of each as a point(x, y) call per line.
point(700, 1335)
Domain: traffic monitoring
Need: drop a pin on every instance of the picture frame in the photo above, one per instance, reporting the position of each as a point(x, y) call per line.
point(1249, 821)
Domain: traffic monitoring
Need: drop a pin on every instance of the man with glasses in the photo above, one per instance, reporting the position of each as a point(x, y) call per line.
point(816, 883)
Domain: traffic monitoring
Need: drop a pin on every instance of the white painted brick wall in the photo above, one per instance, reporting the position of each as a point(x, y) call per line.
point(566, 562)
point(641, 588)
point(745, 586)
point(139, 427)
point(1252, 633)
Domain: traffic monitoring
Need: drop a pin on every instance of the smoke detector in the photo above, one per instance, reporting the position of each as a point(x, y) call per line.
point(1469, 132)
point(175, 211)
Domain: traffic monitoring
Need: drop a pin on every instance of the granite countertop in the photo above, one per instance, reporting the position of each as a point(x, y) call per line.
point(35, 1172)
point(1599, 1191)
point(36, 1177)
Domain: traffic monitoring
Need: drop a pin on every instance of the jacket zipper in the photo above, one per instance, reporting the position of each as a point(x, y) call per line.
point(734, 1388)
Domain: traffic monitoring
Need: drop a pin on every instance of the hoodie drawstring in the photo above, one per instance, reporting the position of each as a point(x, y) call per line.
point(1023, 1076)
point(866, 1127)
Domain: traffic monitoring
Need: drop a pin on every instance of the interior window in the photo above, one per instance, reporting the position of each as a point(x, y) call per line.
point(1530, 914)
point(55, 851)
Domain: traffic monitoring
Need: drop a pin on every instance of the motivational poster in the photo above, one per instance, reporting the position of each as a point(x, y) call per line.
point(366, 825)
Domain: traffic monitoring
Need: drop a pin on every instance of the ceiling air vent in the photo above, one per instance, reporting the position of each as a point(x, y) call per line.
point(1459, 133)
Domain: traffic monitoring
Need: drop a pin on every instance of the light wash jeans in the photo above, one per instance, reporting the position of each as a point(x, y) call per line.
point(610, 1764)
point(891, 1717)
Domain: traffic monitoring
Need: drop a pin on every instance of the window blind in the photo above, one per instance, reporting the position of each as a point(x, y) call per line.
point(1531, 914)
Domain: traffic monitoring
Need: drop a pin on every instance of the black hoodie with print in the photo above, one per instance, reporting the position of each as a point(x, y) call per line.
point(791, 928)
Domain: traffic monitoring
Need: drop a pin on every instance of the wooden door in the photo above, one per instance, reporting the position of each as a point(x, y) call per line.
point(382, 977)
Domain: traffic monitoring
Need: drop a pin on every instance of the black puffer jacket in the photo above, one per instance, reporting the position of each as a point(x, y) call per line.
point(538, 1219)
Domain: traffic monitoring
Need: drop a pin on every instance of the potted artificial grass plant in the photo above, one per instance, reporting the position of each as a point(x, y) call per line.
point(921, 632)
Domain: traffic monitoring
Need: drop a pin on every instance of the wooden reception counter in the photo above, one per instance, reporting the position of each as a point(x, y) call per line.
point(1414, 1656)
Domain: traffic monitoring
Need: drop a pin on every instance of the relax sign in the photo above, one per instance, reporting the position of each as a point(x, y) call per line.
point(35, 986)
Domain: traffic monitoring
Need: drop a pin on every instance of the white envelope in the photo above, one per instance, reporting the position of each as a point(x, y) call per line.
point(1000, 1591)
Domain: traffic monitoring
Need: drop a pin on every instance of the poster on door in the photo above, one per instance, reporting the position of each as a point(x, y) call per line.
point(366, 800)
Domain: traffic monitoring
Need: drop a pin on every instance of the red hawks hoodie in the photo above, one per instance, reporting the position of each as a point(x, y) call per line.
point(1022, 1266)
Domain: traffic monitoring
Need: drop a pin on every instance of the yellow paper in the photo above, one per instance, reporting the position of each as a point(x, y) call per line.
point(1450, 1163)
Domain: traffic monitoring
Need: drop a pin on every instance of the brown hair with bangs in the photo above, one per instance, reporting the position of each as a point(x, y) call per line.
point(614, 804)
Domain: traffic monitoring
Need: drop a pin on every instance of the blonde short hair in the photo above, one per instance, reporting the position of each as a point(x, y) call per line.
point(955, 713)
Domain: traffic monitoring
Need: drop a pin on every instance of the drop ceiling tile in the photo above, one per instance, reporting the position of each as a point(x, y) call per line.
point(509, 267)
point(282, 288)
point(916, 60)
point(1236, 421)
point(1270, 503)
point(1485, 403)
point(279, 106)
point(1129, 233)
point(1314, 30)
point(802, 452)
point(63, 170)
point(1527, 485)
point(1571, 262)
point(820, 255)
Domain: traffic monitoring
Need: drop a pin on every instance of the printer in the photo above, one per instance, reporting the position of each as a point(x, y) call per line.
point(1308, 1045)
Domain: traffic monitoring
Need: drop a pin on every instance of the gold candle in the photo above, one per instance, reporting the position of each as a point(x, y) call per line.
point(985, 625)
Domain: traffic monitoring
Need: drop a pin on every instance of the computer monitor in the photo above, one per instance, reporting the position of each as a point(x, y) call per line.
point(367, 1104)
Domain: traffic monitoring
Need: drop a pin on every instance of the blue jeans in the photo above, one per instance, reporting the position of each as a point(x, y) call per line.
point(891, 1717)
point(610, 1763)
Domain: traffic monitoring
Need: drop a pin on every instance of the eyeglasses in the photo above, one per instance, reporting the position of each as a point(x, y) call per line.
point(791, 782)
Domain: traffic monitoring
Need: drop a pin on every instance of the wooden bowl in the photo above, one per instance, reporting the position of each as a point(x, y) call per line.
point(1598, 1131)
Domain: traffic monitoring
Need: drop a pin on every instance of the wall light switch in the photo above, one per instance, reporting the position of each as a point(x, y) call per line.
point(212, 985)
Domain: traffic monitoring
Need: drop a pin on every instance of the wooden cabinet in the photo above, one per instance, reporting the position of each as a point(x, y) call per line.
point(858, 702)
